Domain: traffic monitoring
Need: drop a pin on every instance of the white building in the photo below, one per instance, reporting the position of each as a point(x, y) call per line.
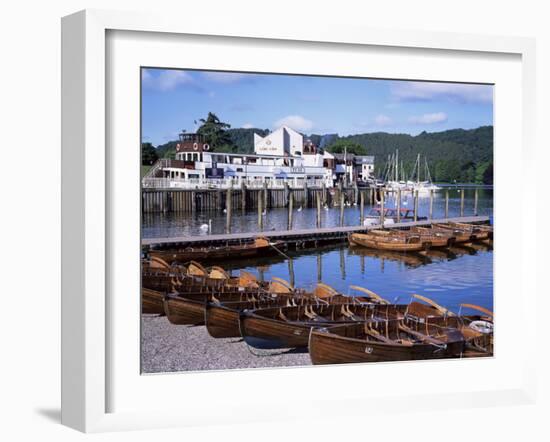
point(280, 157)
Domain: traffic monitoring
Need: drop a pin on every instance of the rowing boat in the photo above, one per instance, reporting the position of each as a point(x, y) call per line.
point(289, 327)
point(413, 337)
point(475, 232)
point(152, 301)
point(383, 240)
point(222, 319)
point(258, 246)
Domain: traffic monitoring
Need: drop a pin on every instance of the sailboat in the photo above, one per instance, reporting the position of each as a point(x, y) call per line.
point(414, 182)
point(395, 173)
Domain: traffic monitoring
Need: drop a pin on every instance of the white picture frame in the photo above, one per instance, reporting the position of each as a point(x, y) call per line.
point(86, 214)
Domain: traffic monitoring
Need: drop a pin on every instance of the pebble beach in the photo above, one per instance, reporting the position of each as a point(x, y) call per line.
point(171, 348)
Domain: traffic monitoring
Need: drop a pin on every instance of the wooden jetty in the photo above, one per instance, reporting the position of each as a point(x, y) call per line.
point(300, 238)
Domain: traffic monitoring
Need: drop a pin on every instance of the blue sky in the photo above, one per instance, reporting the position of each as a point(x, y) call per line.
point(173, 99)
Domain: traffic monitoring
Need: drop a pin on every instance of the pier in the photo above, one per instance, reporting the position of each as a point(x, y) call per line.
point(299, 238)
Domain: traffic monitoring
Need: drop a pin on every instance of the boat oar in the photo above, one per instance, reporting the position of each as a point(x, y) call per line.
point(370, 294)
point(439, 308)
point(278, 251)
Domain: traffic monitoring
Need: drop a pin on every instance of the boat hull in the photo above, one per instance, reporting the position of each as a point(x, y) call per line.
point(375, 243)
point(152, 302)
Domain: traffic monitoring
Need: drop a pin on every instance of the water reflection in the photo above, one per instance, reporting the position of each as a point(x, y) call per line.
point(156, 225)
point(461, 274)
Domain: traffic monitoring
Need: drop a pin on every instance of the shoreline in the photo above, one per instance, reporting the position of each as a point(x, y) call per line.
point(169, 348)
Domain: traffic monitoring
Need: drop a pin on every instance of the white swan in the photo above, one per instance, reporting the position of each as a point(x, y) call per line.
point(300, 209)
point(264, 213)
point(206, 228)
point(325, 207)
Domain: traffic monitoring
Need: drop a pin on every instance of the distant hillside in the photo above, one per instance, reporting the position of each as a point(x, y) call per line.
point(456, 154)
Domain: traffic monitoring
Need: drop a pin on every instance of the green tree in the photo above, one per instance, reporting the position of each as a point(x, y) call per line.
point(148, 154)
point(214, 131)
point(342, 145)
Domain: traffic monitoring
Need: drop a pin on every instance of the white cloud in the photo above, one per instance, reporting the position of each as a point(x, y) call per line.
point(296, 122)
point(437, 117)
point(167, 80)
point(248, 126)
point(225, 77)
point(457, 92)
point(382, 120)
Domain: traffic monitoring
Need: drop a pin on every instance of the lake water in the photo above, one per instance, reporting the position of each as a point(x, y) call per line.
point(461, 275)
point(155, 225)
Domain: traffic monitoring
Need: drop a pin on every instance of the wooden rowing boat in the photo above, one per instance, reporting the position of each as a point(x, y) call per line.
point(189, 308)
point(383, 240)
point(289, 327)
point(152, 301)
point(436, 238)
point(258, 246)
point(222, 319)
point(413, 337)
point(475, 232)
point(382, 341)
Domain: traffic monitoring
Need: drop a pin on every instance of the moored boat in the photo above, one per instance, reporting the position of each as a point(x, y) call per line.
point(258, 246)
point(289, 327)
point(383, 240)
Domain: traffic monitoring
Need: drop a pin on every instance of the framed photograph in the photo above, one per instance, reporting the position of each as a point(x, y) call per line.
point(288, 208)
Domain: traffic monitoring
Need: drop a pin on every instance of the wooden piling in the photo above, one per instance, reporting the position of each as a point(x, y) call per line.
point(290, 208)
point(446, 203)
point(342, 197)
point(318, 210)
point(265, 196)
point(319, 268)
point(260, 211)
point(243, 196)
point(416, 205)
point(382, 197)
point(430, 213)
point(362, 208)
point(398, 199)
point(291, 277)
point(462, 202)
point(228, 209)
point(475, 201)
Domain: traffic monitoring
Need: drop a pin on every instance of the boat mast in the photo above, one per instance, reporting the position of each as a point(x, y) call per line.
point(418, 169)
point(396, 165)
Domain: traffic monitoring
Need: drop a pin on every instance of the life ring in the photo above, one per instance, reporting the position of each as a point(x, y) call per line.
point(206, 146)
point(195, 146)
point(484, 327)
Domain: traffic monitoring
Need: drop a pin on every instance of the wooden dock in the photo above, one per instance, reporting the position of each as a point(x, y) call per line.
point(297, 238)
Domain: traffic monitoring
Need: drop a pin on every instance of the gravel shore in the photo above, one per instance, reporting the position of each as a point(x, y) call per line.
point(166, 348)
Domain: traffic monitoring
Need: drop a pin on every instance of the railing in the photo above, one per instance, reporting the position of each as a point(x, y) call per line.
point(226, 183)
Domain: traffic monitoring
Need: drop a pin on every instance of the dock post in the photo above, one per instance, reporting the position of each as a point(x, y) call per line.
point(355, 193)
point(342, 195)
point(382, 197)
point(287, 193)
point(430, 214)
point(475, 201)
point(318, 210)
point(265, 195)
point(446, 203)
point(319, 268)
point(193, 202)
point(260, 211)
point(362, 208)
point(416, 205)
point(228, 208)
point(398, 199)
point(243, 196)
point(324, 192)
point(461, 202)
point(291, 272)
point(342, 264)
point(290, 208)
point(306, 195)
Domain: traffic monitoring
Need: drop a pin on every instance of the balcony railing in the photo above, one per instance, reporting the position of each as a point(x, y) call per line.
point(227, 183)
